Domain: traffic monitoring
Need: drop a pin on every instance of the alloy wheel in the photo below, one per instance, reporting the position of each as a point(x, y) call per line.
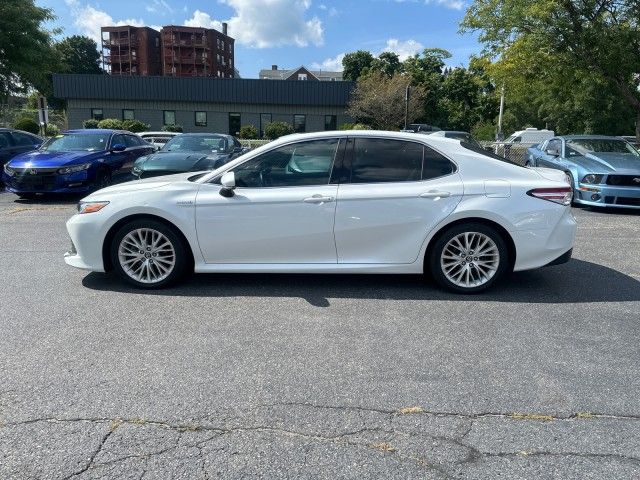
point(146, 255)
point(470, 259)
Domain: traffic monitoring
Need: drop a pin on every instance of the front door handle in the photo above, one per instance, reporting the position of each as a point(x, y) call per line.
point(318, 199)
point(435, 194)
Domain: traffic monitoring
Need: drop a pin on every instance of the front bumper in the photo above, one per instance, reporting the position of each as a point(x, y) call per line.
point(608, 196)
point(87, 237)
point(48, 181)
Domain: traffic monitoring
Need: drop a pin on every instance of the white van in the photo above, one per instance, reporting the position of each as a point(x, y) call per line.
point(530, 135)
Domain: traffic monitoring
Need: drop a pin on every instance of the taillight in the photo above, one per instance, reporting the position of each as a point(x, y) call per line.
point(561, 195)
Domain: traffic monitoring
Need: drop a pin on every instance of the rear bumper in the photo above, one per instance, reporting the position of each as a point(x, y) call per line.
point(564, 258)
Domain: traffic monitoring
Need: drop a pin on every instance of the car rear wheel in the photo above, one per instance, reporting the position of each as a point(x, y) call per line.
point(148, 254)
point(469, 258)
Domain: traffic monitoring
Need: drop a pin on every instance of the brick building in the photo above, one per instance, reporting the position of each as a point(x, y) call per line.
point(128, 50)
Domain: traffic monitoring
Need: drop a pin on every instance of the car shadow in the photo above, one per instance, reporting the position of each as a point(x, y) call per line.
point(575, 282)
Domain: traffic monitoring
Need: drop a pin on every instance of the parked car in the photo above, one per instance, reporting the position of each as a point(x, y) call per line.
point(462, 136)
point(420, 128)
point(603, 171)
point(14, 142)
point(333, 202)
point(529, 135)
point(158, 139)
point(75, 161)
point(189, 152)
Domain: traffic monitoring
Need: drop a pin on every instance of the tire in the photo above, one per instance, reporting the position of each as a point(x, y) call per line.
point(446, 262)
point(573, 188)
point(27, 196)
point(153, 268)
point(103, 179)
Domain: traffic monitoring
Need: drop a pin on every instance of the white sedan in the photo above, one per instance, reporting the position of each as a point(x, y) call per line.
point(333, 202)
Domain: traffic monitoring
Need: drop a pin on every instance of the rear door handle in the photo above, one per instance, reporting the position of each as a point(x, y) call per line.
point(317, 199)
point(435, 194)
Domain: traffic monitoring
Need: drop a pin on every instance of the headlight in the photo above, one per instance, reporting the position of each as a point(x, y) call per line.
point(8, 170)
point(74, 168)
point(91, 207)
point(591, 178)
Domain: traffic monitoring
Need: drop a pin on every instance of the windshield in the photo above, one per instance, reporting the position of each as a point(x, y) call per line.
point(199, 143)
point(77, 142)
point(601, 145)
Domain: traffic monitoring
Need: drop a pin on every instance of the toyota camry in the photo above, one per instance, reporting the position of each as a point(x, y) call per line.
point(333, 202)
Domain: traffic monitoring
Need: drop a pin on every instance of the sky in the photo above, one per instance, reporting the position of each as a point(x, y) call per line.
point(288, 33)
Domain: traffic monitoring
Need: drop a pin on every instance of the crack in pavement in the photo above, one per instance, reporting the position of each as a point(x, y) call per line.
point(355, 438)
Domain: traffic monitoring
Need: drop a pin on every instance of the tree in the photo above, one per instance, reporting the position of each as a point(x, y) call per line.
point(387, 63)
point(597, 38)
point(25, 46)
point(355, 63)
point(379, 100)
point(78, 54)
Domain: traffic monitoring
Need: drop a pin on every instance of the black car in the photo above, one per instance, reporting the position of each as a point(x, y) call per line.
point(189, 152)
point(14, 142)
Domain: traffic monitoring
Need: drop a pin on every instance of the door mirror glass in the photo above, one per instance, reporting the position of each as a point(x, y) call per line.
point(118, 147)
point(228, 180)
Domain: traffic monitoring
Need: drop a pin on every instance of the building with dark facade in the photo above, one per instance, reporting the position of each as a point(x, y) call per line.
point(204, 104)
point(197, 52)
point(175, 51)
point(128, 50)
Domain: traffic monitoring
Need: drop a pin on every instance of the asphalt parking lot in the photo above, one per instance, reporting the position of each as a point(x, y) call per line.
point(281, 376)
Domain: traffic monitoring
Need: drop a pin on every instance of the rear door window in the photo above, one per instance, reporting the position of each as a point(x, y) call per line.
point(378, 160)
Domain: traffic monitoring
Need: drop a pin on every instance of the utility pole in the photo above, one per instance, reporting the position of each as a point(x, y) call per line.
point(406, 106)
point(43, 114)
point(499, 134)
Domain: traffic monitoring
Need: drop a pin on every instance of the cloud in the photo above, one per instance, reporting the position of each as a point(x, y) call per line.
point(330, 64)
point(160, 7)
point(88, 19)
point(267, 23)
point(202, 20)
point(331, 11)
point(453, 4)
point(404, 50)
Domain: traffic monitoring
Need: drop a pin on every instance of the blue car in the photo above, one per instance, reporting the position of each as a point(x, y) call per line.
point(75, 161)
point(603, 171)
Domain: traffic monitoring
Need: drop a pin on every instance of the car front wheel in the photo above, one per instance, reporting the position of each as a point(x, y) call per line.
point(469, 258)
point(148, 254)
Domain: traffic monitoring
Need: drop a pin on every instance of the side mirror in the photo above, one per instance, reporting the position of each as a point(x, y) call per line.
point(552, 151)
point(118, 147)
point(228, 182)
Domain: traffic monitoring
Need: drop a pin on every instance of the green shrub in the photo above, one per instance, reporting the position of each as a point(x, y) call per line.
point(248, 131)
point(172, 128)
point(90, 123)
point(277, 129)
point(110, 123)
point(354, 126)
point(52, 130)
point(134, 126)
point(28, 125)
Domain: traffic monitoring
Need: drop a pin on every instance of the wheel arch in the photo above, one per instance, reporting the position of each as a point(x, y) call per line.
point(106, 244)
point(504, 233)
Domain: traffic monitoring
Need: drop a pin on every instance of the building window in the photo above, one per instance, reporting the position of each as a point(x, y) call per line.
point(97, 114)
point(330, 122)
point(168, 117)
point(300, 123)
point(265, 119)
point(234, 123)
point(302, 76)
point(128, 114)
point(201, 119)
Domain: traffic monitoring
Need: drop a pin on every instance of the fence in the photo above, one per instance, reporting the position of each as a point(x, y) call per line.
point(252, 143)
point(516, 152)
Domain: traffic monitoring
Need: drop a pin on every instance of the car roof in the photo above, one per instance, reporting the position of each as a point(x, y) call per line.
point(205, 134)
point(160, 133)
point(5, 129)
point(89, 131)
point(589, 137)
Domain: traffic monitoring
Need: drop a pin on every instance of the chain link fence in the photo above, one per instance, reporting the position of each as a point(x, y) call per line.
point(9, 115)
point(516, 152)
point(253, 143)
